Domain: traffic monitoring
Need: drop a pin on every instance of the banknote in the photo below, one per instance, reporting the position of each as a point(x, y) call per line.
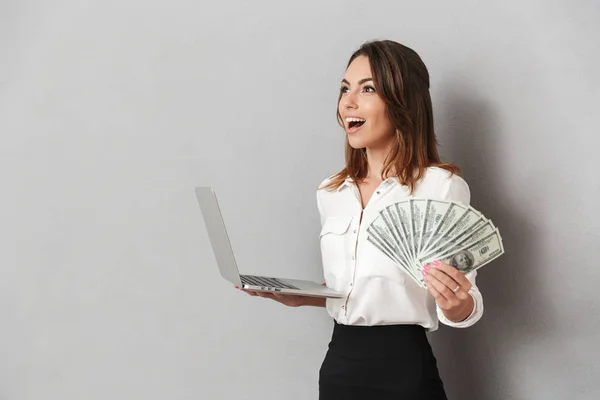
point(451, 241)
point(453, 214)
point(417, 216)
point(389, 219)
point(404, 215)
point(400, 226)
point(479, 229)
point(417, 231)
point(434, 212)
point(474, 255)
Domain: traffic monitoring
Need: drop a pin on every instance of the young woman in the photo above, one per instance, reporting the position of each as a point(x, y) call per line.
point(379, 349)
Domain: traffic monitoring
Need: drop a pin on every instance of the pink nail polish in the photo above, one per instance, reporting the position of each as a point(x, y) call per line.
point(424, 273)
point(427, 267)
point(436, 263)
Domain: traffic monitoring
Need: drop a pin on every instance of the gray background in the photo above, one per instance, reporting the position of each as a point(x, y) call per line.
point(111, 111)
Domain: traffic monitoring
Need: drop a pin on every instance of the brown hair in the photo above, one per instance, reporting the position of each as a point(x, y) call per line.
point(402, 81)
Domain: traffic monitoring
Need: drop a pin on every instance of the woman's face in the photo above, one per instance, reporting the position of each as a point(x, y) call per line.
point(363, 111)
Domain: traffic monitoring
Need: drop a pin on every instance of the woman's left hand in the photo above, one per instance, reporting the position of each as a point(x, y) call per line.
point(450, 289)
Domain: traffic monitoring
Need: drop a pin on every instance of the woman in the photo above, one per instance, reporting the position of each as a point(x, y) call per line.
point(379, 348)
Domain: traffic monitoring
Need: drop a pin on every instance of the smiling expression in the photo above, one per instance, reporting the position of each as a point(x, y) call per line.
point(362, 111)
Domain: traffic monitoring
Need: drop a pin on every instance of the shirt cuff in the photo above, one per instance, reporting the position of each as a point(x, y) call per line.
point(475, 315)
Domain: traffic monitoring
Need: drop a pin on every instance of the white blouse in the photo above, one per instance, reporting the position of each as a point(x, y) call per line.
point(377, 292)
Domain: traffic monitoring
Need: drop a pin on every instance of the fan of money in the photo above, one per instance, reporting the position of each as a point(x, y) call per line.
point(418, 231)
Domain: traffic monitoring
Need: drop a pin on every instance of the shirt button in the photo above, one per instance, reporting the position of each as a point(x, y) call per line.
point(378, 192)
point(355, 231)
point(353, 257)
point(350, 283)
point(343, 307)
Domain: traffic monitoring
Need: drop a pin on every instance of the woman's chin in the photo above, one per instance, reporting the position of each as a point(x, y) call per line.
point(356, 143)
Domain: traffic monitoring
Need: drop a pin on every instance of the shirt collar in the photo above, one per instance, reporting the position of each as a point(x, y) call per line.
point(349, 182)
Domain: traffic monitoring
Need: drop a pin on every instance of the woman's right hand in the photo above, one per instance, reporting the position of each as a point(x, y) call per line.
point(289, 300)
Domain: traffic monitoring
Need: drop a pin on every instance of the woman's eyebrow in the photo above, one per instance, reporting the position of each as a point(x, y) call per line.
point(359, 82)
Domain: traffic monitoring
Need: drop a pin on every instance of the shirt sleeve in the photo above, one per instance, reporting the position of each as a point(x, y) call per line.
point(458, 190)
point(320, 208)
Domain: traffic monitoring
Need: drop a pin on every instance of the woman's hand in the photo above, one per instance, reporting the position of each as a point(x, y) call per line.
point(450, 289)
point(287, 299)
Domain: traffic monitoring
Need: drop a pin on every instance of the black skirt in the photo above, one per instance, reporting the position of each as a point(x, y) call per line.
point(380, 363)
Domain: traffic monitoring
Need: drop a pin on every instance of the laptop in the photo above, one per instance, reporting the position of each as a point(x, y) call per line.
point(223, 251)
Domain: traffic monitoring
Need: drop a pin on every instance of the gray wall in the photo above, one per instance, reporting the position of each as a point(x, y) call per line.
point(110, 111)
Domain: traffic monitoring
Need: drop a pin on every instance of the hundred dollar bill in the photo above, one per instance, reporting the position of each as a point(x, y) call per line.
point(464, 222)
point(453, 214)
point(434, 211)
point(482, 227)
point(392, 221)
point(475, 255)
point(417, 215)
point(401, 226)
point(467, 223)
point(404, 216)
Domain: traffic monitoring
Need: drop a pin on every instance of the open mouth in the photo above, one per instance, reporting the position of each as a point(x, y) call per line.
point(354, 123)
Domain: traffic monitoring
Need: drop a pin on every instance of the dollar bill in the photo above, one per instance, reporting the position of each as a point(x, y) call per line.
point(417, 216)
point(398, 235)
point(453, 214)
point(480, 228)
point(404, 215)
point(417, 231)
point(464, 222)
point(475, 255)
point(434, 212)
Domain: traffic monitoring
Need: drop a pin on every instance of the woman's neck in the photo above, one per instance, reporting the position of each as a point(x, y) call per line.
point(376, 159)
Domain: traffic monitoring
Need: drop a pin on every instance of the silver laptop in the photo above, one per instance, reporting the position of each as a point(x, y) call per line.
point(226, 260)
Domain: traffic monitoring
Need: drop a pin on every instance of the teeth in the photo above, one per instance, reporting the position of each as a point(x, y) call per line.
point(351, 119)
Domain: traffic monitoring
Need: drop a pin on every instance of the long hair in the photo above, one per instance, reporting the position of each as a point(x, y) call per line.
point(401, 79)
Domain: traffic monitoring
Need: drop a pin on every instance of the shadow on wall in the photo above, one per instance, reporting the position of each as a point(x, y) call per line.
point(475, 363)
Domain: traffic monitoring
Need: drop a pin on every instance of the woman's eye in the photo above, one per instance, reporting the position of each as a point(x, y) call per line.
point(369, 89)
point(344, 89)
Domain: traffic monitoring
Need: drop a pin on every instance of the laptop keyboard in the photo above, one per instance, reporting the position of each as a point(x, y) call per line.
point(263, 281)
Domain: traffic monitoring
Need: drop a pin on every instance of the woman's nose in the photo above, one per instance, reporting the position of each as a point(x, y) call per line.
point(349, 101)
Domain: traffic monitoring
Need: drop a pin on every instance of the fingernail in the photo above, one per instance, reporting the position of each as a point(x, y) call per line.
point(426, 267)
point(235, 287)
point(436, 263)
point(424, 273)
point(426, 280)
